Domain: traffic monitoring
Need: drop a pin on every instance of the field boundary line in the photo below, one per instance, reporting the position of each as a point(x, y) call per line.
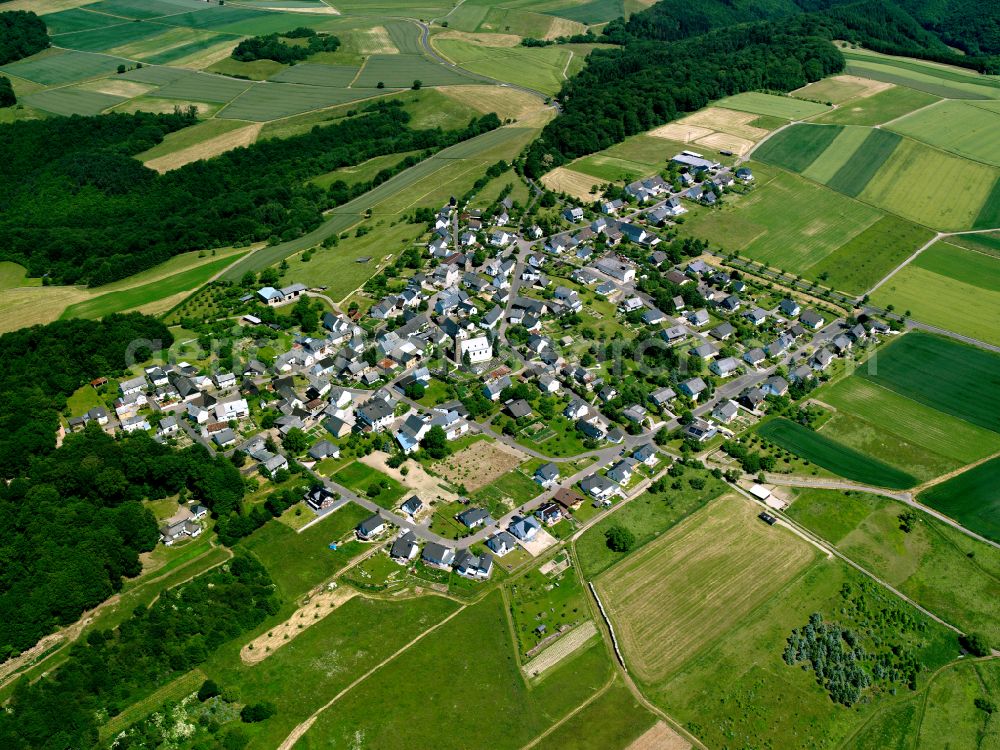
point(908, 114)
point(304, 726)
point(597, 694)
point(357, 75)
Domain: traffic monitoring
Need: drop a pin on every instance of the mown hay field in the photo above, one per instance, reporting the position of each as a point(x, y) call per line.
point(695, 582)
point(834, 456)
point(839, 89)
point(538, 68)
point(776, 106)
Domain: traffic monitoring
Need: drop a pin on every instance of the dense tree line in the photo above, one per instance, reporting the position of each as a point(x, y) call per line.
point(77, 207)
point(646, 83)
point(920, 28)
point(272, 47)
point(7, 96)
point(113, 669)
point(74, 524)
point(42, 365)
point(22, 33)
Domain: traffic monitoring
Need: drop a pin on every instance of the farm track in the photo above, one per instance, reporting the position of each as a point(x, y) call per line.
point(906, 498)
point(603, 689)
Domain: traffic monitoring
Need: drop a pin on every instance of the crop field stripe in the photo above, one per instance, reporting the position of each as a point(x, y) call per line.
point(834, 456)
point(930, 70)
point(963, 128)
point(836, 155)
point(971, 498)
point(66, 66)
point(961, 264)
point(798, 146)
point(888, 75)
point(859, 169)
point(768, 104)
point(313, 74)
point(946, 375)
point(77, 19)
point(989, 214)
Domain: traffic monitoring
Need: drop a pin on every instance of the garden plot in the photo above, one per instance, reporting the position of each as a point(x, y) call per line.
point(563, 647)
point(479, 464)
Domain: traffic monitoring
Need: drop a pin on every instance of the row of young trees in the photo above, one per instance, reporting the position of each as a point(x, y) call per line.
point(78, 208)
point(22, 33)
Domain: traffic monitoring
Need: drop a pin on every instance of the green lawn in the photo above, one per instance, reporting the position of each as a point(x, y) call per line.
point(539, 68)
point(298, 562)
point(757, 697)
point(612, 722)
point(838, 458)
point(964, 128)
point(647, 516)
point(901, 419)
point(939, 284)
point(361, 478)
point(971, 498)
point(464, 677)
point(552, 601)
point(557, 437)
point(146, 294)
point(941, 373)
point(945, 716)
point(512, 489)
point(83, 400)
point(305, 673)
point(940, 568)
point(189, 136)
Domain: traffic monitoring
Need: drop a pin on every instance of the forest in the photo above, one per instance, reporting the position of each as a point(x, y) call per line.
point(7, 96)
point(271, 47)
point(920, 28)
point(646, 83)
point(77, 208)
point(22, 33)
point(42, 365)
point(75, 524)
point(112, 669)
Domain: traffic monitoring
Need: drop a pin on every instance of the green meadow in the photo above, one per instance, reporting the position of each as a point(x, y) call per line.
point(942, 569)
point(971, 498)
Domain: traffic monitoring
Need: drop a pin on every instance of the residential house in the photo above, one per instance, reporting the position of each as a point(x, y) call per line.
point(405, 548)
point(501, 543)
point(319, 498)
point(622, 470)
point(725, 367)
point(600, 488)
point(371, 527)
point(524, 528)
point(726, 411)
point(789, 307)
point(700, 431)
point(811, 319)
point(723, 331)
point(754, 356)
point(375, 414)
point(692, 388)
point(822, 358)
point(647, 454)
point(437, 555)
point(547, 475)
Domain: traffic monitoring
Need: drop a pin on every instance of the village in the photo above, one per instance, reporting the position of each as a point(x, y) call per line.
point(596, 355)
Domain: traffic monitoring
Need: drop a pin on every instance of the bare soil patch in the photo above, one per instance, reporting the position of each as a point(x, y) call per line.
point(117, 87)
point(207, 149)
point(678, 131)
point(564, 27)
point(660, 737)
point(726, 142)
point(542, 541)
point(311, 612)
point(479, 464)
point(418, 481)
point(726, 121)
